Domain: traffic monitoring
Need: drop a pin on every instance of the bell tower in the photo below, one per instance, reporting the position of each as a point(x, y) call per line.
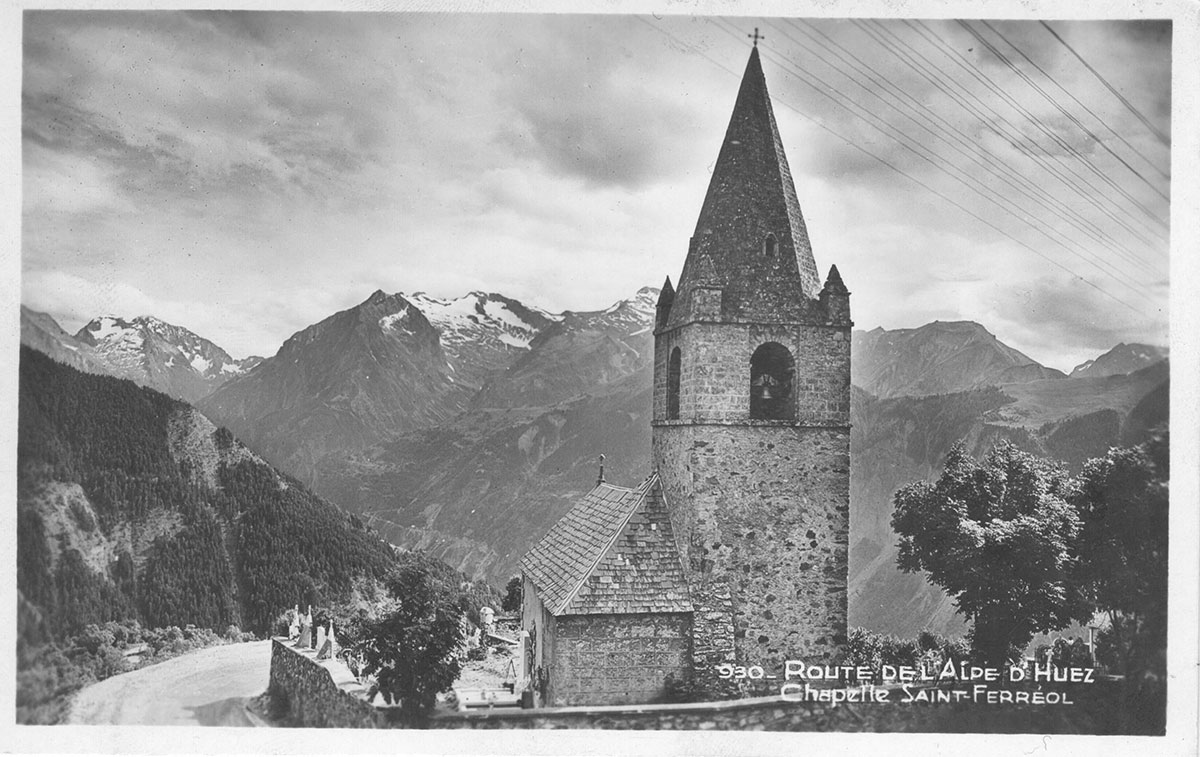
point(751, 419)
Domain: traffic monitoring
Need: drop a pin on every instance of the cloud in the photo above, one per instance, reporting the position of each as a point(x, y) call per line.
point(245, 163)
point(1063, 320)
point(74, 300)
point(587, 112)
point(177, 103)
point(65, 183)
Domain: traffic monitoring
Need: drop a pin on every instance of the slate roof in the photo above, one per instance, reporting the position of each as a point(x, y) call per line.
point(613, 553)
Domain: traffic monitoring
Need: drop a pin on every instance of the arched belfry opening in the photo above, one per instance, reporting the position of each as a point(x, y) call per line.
point(772, 370)
point(673, 369)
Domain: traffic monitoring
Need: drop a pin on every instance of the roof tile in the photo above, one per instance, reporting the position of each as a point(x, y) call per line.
point(595, 560)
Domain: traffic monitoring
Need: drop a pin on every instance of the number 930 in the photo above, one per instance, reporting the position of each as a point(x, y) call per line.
point(739, 672)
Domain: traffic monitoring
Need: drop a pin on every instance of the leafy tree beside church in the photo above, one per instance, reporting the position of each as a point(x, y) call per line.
point(1022, 547)
point(998, 535)
point(410, 648)
point(1123, 504)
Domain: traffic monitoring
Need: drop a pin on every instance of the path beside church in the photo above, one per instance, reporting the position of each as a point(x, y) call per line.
point(206, 687)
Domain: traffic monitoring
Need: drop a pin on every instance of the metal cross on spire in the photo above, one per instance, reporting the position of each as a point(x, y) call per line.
point(755, 36)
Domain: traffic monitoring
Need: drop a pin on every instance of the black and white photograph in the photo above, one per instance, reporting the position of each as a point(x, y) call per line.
point(698, 380)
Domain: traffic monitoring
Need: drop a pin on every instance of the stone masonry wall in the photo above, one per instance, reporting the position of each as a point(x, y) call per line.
point(319, 694)
point(764, 713)
point(539, 624)
point(714, 378)
point(617, 659)
point(766, 511)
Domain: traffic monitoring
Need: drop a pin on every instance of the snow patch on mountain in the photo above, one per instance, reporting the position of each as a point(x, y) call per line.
point(391, 322)
point(634, 315)
point(106, 326)
point(474, 317)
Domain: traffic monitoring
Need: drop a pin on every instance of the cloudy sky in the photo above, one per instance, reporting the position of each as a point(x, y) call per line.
point(247, 174)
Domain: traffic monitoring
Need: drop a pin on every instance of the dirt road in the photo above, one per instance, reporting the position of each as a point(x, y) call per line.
point(207, 687)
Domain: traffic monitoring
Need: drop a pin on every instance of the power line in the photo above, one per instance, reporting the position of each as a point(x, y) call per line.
point(1001, 202)
point(960, 60)
point(1070, 116)
point(1107, 179)
point(956, 204)
point(973, 152)
point(1163, 138)
point(1077, 101)
point(998, 122)
point(686, 46)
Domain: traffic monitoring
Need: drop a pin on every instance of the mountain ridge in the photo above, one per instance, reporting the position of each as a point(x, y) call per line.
point(1121, 359)
point(516, 433)
point(132, 504)
point(145, 349)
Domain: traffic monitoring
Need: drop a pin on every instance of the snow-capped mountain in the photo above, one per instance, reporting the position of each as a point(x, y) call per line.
point(145, 350)
point(481, 332)
point(400, 363)
point(345, 382)
point(160, 355)
point(580, 352)
point(635, 315)
point(41, 332)
point(1120, 360)
point(468, 425)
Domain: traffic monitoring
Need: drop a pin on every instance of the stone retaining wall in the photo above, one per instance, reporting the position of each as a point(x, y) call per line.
point(318, 694)
point(325, 695)
point(760, 714)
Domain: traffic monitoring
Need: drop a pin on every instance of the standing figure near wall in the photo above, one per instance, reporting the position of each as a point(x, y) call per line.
point(305, 641)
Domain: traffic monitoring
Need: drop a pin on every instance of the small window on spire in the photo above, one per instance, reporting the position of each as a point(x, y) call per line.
point(771, 246)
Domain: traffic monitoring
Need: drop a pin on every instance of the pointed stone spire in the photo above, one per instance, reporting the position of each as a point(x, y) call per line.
point(835, 298)
point(667, 294)
point(834, 281)
point(666, 298)
point(750, 241)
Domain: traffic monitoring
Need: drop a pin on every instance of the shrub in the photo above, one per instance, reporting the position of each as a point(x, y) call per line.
point(512, 595)
point(411, 649)
point(94, 637)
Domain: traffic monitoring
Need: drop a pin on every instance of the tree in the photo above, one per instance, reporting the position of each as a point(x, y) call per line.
point(998, 536)
point(1123, 504)
point(411, 648)
point(512, 595)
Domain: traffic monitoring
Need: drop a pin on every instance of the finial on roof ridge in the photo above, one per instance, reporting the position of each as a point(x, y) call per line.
point(600, 478)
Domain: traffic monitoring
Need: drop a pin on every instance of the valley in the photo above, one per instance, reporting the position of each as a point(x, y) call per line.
point(467, 427)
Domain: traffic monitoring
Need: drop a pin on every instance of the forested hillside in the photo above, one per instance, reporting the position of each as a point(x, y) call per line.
point(132, 505)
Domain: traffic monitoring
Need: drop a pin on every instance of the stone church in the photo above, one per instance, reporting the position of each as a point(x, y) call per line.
point(735, 548)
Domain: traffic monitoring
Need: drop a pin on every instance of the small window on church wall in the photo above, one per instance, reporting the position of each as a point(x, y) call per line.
point(673, 369)
point(770, 245)
point(771, 372)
